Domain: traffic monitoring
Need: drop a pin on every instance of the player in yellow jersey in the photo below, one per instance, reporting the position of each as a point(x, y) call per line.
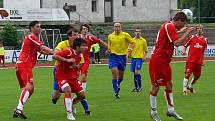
point(138, 56)
point(118, 43)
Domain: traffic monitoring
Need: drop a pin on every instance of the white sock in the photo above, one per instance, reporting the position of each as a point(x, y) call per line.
point(23, 99)
point(153, 103)
point(68, 104)
point(190, 85)
point(84, 85)
point(185, 84)
point(169, 100)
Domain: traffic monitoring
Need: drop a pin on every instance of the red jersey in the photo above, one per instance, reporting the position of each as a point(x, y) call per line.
point(28, 54)
point(65, 70)
point(198, 45)
point(164, 44)
point(90, 41)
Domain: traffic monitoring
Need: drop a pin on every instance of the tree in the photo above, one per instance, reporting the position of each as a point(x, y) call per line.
point(9, 35)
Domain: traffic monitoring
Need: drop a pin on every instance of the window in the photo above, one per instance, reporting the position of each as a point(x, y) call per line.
point(123, 2)
point(94, 5)
point(134, 3)
point(72, 8)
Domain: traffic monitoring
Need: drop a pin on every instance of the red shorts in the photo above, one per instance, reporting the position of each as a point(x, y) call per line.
point(74, 84)
point(84, 68)
point(24, 76)
point(193, 68)
point(160, 73)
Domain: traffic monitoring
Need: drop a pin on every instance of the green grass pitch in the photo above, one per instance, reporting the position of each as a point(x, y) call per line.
point(131, 107)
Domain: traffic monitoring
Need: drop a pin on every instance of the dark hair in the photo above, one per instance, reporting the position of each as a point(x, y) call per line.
point(32, 24)
point(180, 15)
point(85, 25)
point(69, 32)
point(77, 42)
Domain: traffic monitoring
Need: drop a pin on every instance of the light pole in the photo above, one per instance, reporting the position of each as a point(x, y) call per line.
point(199, 11)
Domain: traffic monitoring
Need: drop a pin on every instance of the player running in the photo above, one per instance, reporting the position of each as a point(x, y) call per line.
point(138, 56)
point(118, 43)
point(197, 46)
point(25, 64)
point(67, 73)
point(159, 65)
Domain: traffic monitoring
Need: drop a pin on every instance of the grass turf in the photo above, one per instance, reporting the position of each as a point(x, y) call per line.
point(131, 107)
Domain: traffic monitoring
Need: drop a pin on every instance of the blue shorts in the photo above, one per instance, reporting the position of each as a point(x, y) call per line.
point(118, 61)
point(55, 84)
point(136, 64)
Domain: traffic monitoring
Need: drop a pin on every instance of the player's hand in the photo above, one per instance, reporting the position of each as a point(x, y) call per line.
point(144, 59)
point(108, 51)
point(71, 60)
point(189, 30)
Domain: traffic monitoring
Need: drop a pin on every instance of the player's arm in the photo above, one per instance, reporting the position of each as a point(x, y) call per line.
point(184, 37)
point(145, 50)
point(109, 44)
point(97, 40)
point(45, 50)
point(182, 30)
point(60, 56)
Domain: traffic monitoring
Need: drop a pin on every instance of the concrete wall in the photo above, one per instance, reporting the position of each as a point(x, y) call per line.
point(146, 10)
point(21, 3)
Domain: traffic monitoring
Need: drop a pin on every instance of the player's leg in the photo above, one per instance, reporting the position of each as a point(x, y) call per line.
point(132, 68)
point(56, 92)
point(84, 102)
point(169, 94)
point(3, 61)
point(188, 72)
point(196, 74)
point(113, 65)
point(154, 90)
point(137, 73)
point(67, 100)
point(121, 60)
point(84, 71)
point(25, 79)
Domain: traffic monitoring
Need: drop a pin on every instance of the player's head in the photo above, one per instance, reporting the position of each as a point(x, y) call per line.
point(34, 27)
point(72, 34)
point(199, 29)
point(180, 20)
point(85, 28)
point(137, 32)
point(117, 27)
point(79, 44)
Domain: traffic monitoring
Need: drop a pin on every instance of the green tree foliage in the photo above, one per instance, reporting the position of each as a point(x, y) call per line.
point(9, 35)
point(207, 8)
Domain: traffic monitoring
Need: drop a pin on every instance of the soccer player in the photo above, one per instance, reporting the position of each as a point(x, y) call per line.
point(25, 64)
point(198, 45)
point(159, 65)
point(67, 73)
point(138, 56)
point(2, 54)
point(72, 34)
point(118, 43)
point(85, 28)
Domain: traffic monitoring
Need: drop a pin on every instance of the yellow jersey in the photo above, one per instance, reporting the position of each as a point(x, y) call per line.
point(64, 45)
point(1, 50)
point(139, 48)
point(118, 44)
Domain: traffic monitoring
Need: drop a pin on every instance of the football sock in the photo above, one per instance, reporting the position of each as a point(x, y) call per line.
point(153, 103)
point(115, 85)
point(169, 100)
point(23, 99)
point(135, 82)
point(139, 81)
point(185, 84)
point(68, 103)
point(85, 104)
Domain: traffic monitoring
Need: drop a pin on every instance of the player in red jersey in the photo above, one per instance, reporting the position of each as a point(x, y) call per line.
point(85, 28)
point(25, 64)
point(67, 73)
point(197, 46)
point(159, 65)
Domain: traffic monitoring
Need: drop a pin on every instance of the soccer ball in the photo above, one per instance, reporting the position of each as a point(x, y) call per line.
point(188, 13)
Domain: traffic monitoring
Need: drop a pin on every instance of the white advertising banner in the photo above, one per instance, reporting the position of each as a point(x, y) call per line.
point(12, 56)
point(40, 14)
